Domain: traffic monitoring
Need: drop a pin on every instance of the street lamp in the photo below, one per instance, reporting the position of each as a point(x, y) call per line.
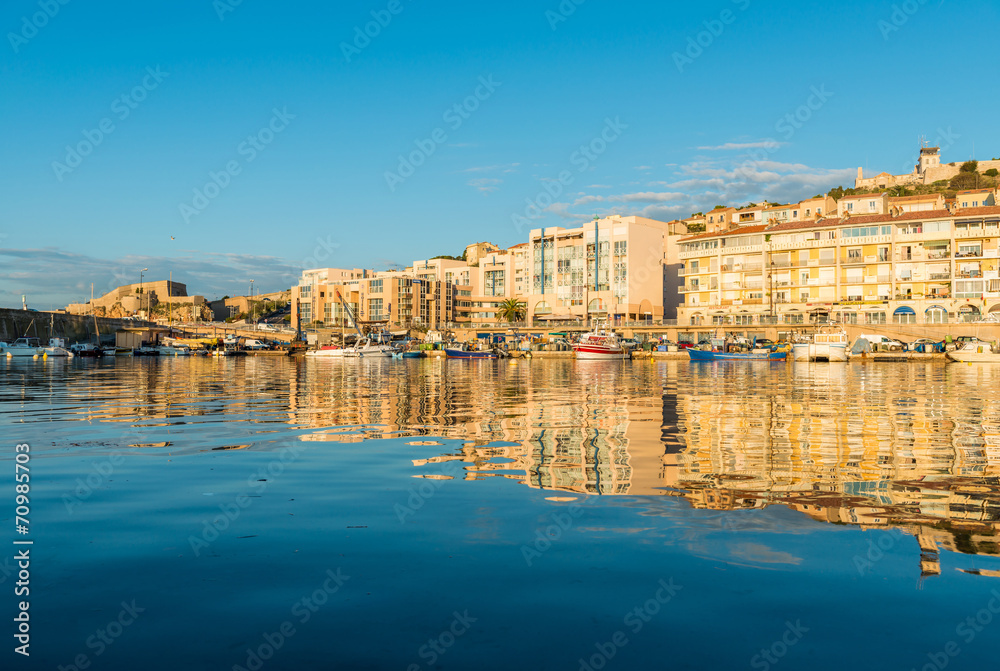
point(252, 306)
point(140, 289)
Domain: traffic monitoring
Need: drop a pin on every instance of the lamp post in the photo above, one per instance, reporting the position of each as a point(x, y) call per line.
point(251, 306)
point(140, 290)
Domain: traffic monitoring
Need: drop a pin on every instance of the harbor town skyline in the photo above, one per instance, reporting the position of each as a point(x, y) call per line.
point(247, 166)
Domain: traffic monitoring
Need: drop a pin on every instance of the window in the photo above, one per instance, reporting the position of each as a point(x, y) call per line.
point(874, 318)
point(850, 207)
point(872, 205)
point(854, 254)
point(375, 287)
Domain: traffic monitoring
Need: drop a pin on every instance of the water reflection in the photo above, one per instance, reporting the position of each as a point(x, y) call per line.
point(910, 447)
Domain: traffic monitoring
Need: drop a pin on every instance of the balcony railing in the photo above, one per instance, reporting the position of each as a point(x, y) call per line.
point(939, 276)
point(931, 256)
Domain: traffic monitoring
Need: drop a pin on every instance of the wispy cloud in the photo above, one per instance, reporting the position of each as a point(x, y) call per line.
point(736, 146)
point(502, 168)
point(643, 167)
point(52, 278)
point(485, 184)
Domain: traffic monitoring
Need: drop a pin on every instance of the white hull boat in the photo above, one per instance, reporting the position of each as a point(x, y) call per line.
point(22, 348)
point(57, 348)
point(974, 352)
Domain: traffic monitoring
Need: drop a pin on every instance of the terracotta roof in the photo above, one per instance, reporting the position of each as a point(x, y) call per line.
point(965, 193)
point(799, 225)
point(977, 211)
point(745, 230)
point(865, 195)
point(928, 196)
point(867, 219)
point(930, 214)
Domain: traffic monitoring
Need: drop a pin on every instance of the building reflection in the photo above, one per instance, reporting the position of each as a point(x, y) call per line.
point(908, 447)
point(837, 443)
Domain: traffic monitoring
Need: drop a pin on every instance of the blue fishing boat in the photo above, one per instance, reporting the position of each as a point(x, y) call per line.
point(700, 355)
point(463, 354)
point(411, 355)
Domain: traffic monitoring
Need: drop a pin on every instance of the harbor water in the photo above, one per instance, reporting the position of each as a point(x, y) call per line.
point(272, 512)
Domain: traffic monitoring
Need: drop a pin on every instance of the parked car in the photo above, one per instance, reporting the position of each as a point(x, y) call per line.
point(255, 344)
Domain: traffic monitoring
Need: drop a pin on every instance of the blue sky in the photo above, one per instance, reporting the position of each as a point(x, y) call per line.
point(302, 124)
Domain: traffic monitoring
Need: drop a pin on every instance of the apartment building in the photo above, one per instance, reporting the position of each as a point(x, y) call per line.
point(611, 268)
point(915, 267)
point(389, 298)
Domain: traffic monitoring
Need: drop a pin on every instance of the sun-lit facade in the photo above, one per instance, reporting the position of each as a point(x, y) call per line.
point(922, 267)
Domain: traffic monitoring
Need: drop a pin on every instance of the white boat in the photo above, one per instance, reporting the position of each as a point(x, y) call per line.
point(825, 346)
point(22, 347)
point(600, 344)
point(337, 352)
point(174, 350)
point(976, 351)
point(57, 348)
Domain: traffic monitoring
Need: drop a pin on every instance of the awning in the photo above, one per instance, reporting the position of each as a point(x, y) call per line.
point(968, 308)
point(904, 311)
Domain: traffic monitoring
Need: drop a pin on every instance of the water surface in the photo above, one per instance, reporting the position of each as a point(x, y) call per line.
point(534, 514)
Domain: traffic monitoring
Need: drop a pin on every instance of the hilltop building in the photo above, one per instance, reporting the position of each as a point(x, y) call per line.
point(142, 299)
point(928, 170)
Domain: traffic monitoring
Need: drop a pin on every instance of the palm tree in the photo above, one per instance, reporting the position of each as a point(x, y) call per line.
point(512, 310)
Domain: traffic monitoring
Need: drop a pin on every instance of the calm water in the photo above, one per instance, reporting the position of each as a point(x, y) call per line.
point(278, 513)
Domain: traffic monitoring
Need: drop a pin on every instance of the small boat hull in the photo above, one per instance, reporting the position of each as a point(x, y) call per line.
point(974, 354)
point(462, 354)
point(699, 355)
point(589, 353)
point(412, 355)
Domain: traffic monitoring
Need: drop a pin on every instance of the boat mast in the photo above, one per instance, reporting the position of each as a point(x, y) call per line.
point(97, 331)
point(350, 314)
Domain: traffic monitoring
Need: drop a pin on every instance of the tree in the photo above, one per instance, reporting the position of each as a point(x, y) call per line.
point(992, 172)
point(512, 310)
point(969, 166)
point(964, 181)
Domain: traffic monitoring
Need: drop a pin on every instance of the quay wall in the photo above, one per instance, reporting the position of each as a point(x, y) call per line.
point(44, 325)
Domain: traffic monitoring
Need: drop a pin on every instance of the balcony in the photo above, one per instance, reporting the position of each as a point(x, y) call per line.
point(968, 274)
point(933, 256)
point(969, 255)
point(939, 276)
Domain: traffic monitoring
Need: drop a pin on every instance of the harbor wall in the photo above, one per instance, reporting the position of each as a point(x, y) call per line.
point(44, 325)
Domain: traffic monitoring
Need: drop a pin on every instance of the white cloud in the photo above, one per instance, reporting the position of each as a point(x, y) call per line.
point(503, 168)
point(485, 184)
point(736, 146)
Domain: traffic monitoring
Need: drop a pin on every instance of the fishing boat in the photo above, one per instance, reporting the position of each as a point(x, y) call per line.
point(85, 349)
point(721, 351)
point(22, 347)
point(825, 346)
point(414, 354)
point(57, 348)
point(975, 351)
point(600, 344)
point(760, 355)
point(463, 353)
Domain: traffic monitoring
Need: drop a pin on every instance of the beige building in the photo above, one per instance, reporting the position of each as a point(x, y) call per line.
point(389, 298)
point(926, 203)
point(474, 252)
point(977, 198)
point(612, 268)
point(855, 206)
point(918, 267)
